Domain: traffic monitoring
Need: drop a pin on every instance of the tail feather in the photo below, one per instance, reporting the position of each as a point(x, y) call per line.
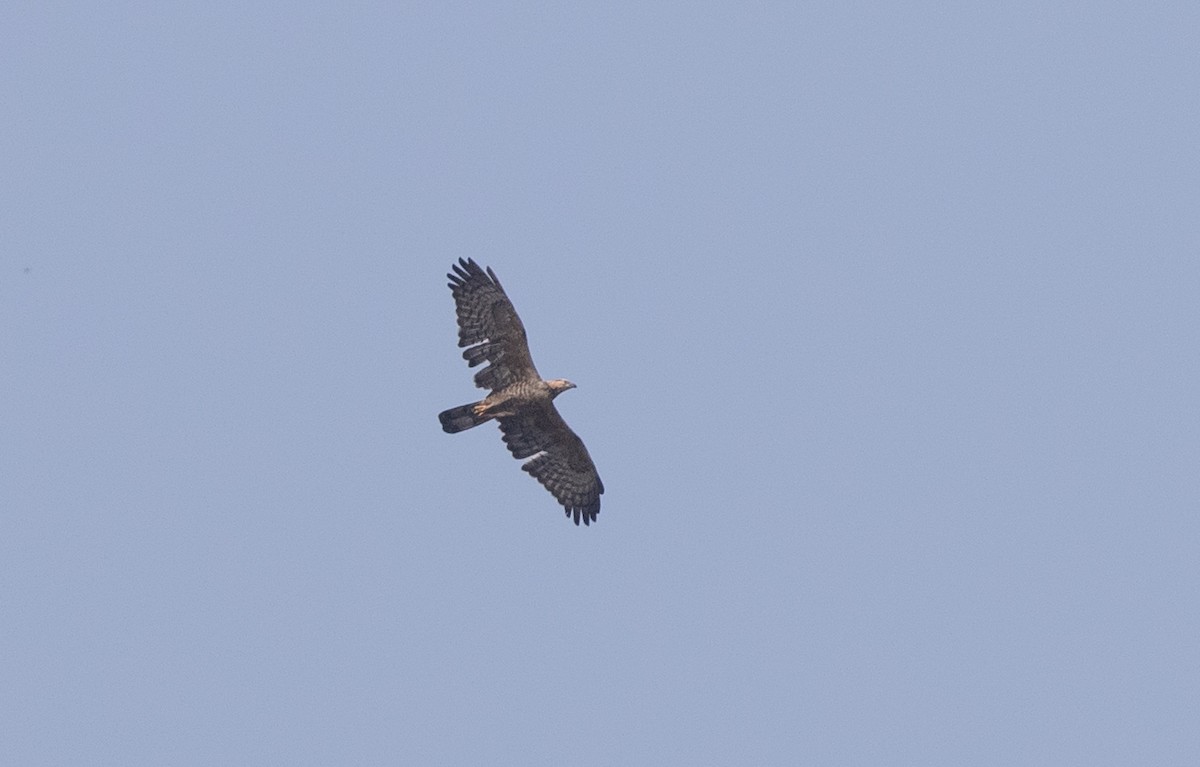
point(461, 418)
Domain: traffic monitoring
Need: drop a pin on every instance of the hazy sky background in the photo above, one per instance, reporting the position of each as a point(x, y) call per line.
point(884, 319)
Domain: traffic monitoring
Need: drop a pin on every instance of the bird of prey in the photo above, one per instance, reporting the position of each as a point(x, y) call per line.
point(520, 400)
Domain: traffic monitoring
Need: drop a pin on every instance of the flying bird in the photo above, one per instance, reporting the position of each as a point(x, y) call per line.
point(520, 401)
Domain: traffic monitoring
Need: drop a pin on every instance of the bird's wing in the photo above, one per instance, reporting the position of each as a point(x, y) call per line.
point(488, 324)
point(556, 457)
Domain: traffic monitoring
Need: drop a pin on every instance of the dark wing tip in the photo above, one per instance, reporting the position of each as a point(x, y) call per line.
point(495, 279)
point(587, 513)
point(464, 270)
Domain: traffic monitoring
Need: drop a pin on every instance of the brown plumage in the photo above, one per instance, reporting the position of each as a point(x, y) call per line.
point(520, 400)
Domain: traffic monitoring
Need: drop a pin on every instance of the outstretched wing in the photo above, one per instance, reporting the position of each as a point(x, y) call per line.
point(557, 458)
point(488, 324)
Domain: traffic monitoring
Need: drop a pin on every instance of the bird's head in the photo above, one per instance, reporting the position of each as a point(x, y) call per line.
point(558, 386)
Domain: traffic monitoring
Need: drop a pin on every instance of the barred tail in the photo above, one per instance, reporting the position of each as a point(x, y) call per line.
point(461, 418)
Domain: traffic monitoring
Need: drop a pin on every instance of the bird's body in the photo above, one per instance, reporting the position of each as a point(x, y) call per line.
point(520, 400)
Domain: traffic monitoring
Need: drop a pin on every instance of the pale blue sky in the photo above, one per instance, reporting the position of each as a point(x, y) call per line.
point(884, 320)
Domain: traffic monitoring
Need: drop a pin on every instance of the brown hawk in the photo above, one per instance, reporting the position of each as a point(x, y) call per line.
point(520, 401)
